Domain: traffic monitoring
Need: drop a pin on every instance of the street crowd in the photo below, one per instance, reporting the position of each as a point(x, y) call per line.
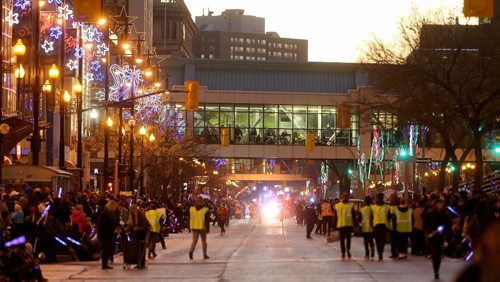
point(38, 225)
point(461, 225)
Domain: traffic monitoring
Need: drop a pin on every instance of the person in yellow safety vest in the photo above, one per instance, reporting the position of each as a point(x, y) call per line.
point(380, 219)
point(367, 227)
point(327, 217)
point(403, 224)
point(154, 217)
point(344, 212)
point(393, 204)
point(199, 223)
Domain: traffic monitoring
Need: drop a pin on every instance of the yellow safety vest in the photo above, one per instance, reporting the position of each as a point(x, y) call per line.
point(197, 218)
point(392, 210)
point(403, 221)
point(366, 224)
point(379, 214)
point(344, 214)
point(153, 217)
point(326, 209)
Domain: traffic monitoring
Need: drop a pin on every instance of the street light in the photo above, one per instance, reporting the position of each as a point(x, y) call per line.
point(19, 51)
point(47, 87)
point(142, 132)
point(77, 89)
point(19, 48)
point(53, 74)
point(67, 96)
point(152, 138)
point(109, 122)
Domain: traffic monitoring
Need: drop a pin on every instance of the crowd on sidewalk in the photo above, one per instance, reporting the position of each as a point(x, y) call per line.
point(454, 225)
point(38, 225)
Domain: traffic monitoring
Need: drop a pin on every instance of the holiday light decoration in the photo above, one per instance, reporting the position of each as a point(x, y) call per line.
point(55, 32)
point(71, 41)
point(79, 52)
point(88, 77)
point(92, 34)
point(22, 4)
point(100, 96)
point(102, 49)
point(99, 77)
point(72, 64)
point(64, 12)
point(95, 65)
point(12, 18)
point(48, 46)
point(54, 1)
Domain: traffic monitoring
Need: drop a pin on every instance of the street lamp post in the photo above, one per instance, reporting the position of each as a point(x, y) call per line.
point(77, 89)
point(131, 123)
point(19, 51)
point(142, 132)
point(35, 140)
point(109, 123)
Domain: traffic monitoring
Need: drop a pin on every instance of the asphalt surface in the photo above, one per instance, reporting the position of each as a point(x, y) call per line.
point(253, 251)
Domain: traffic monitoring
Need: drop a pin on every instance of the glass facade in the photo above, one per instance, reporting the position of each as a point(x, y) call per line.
point(274, 124)
point(387, 123)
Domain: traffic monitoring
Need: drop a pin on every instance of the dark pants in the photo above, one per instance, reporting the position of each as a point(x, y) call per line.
point(309, 228)
point(327, 224)
point(403, 242)
point(436, 248)
point(153, 239)
point(394, 243)
point(221, 225)
point(345, 238)
point(368, 241)
point(380, 233)
point(108, 249)
point(417, 242)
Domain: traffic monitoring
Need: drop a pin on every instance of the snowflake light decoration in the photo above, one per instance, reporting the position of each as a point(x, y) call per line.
point(12, 18)
point(48, 46)
point(22, 4)
point(71, 41)
point(88, 77)
point(55, 32)
point(95, 65)
point(121, 76)
point(72, 64)
point(64, 12)
point(99, 77)
point(79, 52)
point(102, 49)
point(100, 96)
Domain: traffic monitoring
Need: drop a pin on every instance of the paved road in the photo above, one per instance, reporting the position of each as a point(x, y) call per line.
point(258, 252)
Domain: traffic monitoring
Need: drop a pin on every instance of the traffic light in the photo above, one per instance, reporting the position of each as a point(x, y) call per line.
point(478, 8)
point(192, 94)
point(87, 10)
point(496, 148)
point(224, 136)
point(344, 116)
point(403, 153)
point(310, 138)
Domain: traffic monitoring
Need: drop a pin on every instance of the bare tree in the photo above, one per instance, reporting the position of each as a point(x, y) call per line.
point(443, 75)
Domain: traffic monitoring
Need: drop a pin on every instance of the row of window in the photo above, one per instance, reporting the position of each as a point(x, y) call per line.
point(263, 42)
point(274, 124)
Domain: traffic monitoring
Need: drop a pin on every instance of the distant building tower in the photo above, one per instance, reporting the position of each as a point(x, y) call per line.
point(173, 28)
point(235, 36)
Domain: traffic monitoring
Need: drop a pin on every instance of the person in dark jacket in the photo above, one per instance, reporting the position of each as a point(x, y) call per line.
point(435, 224)
point(106, 225)
point(311, 218)
point(139, 228)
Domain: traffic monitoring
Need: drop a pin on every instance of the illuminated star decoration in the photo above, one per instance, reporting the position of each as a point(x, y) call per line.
point(88, 77)
point(99, 77)
point(79, 52)
point(22, 4)
point(102, 49)
point(64, 12)
point(92, 34)
point(12, 18)
point(95, 65)
point(72, 64)
point(55, 32)
point(48, 46)
point(100, 96)
point(54, 1)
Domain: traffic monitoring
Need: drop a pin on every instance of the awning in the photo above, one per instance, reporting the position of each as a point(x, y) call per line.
point(32, 173)
point(19, 129)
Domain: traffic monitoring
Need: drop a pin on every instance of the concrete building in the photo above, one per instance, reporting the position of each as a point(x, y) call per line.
point(235, 36)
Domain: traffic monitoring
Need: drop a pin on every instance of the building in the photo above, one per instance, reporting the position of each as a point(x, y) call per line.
point(235, 36)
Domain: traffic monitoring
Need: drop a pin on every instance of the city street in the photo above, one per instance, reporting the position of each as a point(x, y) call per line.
point(253, 251)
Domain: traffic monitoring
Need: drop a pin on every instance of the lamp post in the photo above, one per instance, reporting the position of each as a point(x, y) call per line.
point(131, 123)
point(109, 123)
point(35, 140)
point(142, 132)
point(19, 51)
point(53, 74)
point(77, 89)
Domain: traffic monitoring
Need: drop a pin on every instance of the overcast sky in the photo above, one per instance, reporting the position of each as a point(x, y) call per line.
point(335, 29)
